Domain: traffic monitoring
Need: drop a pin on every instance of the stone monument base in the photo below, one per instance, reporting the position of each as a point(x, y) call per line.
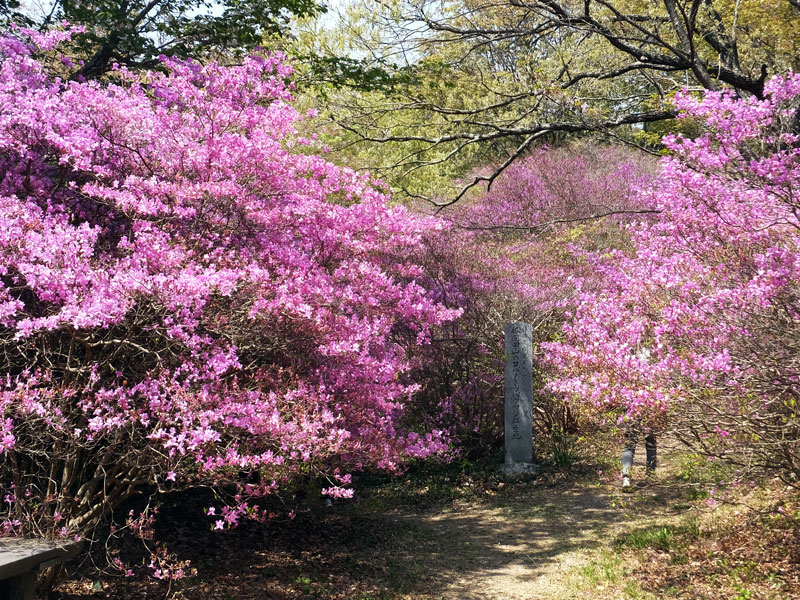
point(517, 469)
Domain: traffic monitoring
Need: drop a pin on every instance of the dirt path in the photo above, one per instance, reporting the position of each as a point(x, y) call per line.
point(548, 539)
point(545, 544)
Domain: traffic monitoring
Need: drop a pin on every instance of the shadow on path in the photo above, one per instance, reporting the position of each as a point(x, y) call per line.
point(526, 541)
point(513, 551)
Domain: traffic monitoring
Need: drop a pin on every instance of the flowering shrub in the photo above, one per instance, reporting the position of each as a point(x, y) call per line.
point(506, 257)
point(702, 318)
point(188, 295)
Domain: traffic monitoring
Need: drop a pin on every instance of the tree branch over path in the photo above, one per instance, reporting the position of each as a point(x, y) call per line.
point(543, 227)
point(492, 78)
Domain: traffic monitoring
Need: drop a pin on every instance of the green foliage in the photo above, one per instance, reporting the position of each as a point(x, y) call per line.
point(698, 469)
point(135, 33)
point(326, 73)
point(606, 569)
point(563, 448)
point(664, 538)
point(695, 493)
point(490, 81)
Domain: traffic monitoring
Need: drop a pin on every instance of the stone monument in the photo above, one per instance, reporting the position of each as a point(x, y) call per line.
point(519, 400)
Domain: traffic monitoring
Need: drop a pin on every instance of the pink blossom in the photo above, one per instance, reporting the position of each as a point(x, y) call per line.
point(242, 306)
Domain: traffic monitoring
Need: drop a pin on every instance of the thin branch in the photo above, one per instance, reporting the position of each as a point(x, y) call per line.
point(541, 227)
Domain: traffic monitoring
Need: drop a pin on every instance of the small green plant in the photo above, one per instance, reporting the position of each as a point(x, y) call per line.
point(563, 449)
point(606, 569)
point(658, 538)
point(747, 571)
point(662, 538)
point(694, 493)
point(698, 469)
point(307, 586)
point(633, 590)
point(743, 594)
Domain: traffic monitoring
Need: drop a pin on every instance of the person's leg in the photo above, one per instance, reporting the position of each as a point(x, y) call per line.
point(650, 448)
point(631, 437)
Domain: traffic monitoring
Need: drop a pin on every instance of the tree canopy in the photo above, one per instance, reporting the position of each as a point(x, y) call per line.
point(135, 32)
point(495, 77)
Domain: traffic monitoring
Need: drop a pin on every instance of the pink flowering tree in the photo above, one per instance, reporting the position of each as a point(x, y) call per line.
point(505, 257)
point(700, 321)
point(189, 295)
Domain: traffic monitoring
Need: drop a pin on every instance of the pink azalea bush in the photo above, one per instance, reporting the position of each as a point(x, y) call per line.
point(189, 295)
point(700, 321)
point(512, 254)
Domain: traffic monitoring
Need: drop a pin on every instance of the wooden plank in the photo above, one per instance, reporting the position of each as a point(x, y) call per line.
point(19, 556)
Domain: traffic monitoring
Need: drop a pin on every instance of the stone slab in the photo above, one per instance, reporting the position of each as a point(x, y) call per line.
point(519, 393)
point(517, 470)
point(19, 556)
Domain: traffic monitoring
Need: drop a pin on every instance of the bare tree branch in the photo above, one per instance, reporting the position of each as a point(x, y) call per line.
point(542, 227)
point(539, 67)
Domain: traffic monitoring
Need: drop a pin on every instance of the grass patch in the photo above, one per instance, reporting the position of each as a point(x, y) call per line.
point(744, 554)
point(664, 538)
point(632, 589)
point(697, 469)
point(605, 570)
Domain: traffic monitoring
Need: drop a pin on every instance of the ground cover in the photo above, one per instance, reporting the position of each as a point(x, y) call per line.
point(459, 532)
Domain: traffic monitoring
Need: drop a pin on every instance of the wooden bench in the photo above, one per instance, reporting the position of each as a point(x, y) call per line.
point(20, 559)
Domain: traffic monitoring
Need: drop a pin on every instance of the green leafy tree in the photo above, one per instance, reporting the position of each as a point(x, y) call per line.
point(135, 32)
point(493, 79)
